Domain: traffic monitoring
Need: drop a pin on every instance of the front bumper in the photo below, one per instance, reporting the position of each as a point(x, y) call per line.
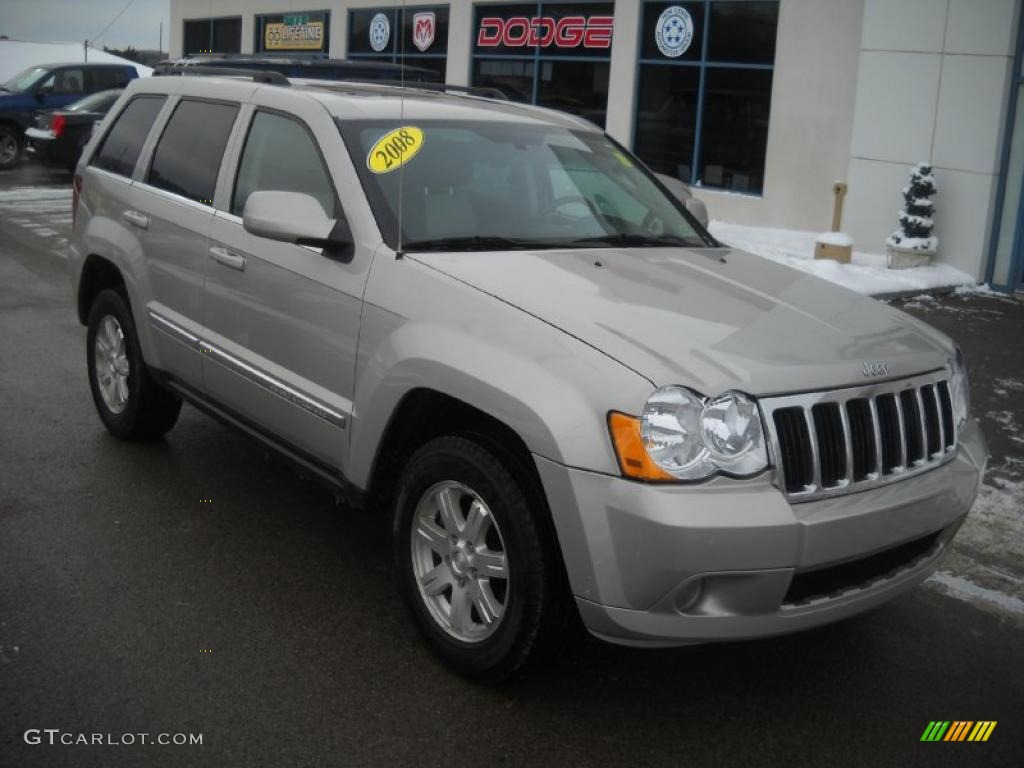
point(725, 560)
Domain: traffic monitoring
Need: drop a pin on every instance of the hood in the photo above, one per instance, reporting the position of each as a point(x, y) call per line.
point(712, 319)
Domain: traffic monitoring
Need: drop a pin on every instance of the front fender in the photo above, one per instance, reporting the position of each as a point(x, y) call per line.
point(553, 390)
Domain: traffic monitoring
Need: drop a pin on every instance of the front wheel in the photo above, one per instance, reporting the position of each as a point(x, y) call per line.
point(129, 402)
point(10, 147)
point(479, 573)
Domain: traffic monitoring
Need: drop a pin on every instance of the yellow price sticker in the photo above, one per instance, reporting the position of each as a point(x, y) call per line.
point(394, 149)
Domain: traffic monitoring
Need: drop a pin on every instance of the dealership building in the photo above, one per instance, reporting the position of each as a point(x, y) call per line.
point(759, 104)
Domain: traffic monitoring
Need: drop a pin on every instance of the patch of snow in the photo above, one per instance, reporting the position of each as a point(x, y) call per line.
point(1014, 384)
point(1008, 421)
point(867, 273)
point(16, 55)
point(967, 590)
point(840, 239)
point(978, 288)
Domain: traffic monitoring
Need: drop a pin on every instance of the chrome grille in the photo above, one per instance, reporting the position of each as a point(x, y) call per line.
point(845, 440)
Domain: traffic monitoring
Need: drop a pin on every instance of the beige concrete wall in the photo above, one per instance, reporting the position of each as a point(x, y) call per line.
point(931, 86)
point(622, 79)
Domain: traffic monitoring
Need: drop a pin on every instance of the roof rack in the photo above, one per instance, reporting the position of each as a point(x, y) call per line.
point(484, 91)
point(257, 75)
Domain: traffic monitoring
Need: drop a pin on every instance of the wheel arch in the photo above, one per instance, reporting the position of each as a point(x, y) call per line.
point(98, 274)
point(423, 414)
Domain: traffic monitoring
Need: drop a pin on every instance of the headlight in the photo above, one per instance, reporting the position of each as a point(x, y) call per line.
point(960, 390)
point(684, 436)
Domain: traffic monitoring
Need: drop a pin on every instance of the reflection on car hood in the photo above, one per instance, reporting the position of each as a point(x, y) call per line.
point(712, 319)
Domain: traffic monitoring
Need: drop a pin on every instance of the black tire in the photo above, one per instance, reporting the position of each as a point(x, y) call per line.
point(149, 410)
point(536, 611)
point(8, 134)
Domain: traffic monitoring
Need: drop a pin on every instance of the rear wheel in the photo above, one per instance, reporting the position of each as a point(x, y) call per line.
point(10, 147)
point(482, 580)
point(129, 402)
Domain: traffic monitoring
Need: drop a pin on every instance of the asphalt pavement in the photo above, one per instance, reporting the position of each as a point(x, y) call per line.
point(200, 585)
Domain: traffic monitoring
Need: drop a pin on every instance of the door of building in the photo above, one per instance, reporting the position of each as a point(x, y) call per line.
point(1006, 257)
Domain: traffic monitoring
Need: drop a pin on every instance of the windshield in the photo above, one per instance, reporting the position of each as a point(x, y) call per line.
point(25, 79)
point(97, 102)
point(494, 186)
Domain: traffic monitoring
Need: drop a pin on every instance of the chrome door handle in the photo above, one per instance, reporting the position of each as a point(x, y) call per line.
point(228, 258)
point(136, 219)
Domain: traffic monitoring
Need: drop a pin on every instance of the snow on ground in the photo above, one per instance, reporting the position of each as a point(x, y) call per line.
point(986, 564)
point(866, 274)
point(16, 55)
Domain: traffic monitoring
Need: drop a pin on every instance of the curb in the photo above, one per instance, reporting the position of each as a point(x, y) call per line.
point(943, 290)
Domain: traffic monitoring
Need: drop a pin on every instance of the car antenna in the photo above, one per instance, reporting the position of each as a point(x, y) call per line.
point(401, 119)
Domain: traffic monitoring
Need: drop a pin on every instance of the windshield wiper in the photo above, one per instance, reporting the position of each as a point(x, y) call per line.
point(477, 243)
point(633, 240)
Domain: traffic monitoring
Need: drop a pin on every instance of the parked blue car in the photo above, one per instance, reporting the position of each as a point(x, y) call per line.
point(49, 86)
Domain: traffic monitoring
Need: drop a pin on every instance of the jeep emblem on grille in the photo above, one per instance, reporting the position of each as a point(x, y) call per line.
point(880, 368)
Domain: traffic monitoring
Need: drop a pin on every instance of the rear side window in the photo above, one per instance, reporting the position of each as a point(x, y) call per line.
point(123, 142)
point(190, 151)
point(105, 78)
point(280, 154)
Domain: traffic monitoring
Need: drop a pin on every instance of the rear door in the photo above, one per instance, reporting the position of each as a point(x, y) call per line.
point(107, 186)
point(105, 78)
point(171, 210)
point(283, 320)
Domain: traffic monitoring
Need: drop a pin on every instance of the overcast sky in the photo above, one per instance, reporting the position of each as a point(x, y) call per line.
point(75, 20)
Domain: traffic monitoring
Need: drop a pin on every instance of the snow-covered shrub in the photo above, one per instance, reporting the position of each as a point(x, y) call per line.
point(916, 222)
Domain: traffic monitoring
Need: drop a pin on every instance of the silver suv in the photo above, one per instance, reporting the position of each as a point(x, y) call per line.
point(493, 324)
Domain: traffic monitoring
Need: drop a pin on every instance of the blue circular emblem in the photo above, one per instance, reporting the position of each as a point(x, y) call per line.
point(380, 32)
point(674, 31)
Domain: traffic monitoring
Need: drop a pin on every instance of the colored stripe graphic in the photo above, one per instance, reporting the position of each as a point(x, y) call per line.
point(982, 730)
point(935, 730)
point(958, 730)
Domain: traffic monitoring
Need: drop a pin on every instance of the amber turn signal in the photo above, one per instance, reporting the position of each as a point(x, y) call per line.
point(629, 448)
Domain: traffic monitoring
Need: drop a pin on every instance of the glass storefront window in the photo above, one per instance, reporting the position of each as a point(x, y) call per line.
point(552, 54)
point(743, 32)
point(213, 35)
point(415, 35)
point(666, 119)
point(704, 90)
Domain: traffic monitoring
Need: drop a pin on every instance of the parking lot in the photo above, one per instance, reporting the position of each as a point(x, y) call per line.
point(200, 585)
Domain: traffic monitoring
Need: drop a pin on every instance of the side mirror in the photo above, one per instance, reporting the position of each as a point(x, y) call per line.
point(681, 192)
point(294, 217)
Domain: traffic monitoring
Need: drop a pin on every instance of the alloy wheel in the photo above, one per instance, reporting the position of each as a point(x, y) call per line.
point(459, 561)
point(111, 361)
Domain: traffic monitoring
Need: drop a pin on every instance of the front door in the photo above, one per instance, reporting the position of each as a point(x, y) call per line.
point(282, 320)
